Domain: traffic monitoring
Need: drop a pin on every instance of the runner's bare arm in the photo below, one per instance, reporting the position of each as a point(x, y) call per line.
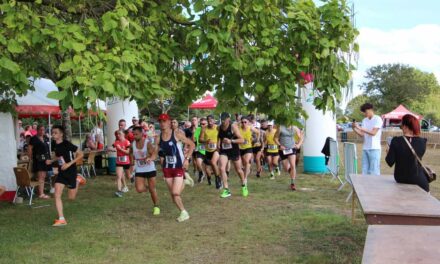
point(152, 153)
point(180, 135)
point(277, 137)
point(239, 139)
point(79, 155)
point(300, 136)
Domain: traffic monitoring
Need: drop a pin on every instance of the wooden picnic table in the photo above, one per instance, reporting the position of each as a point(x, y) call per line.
point(385, 202)
point(391, 244)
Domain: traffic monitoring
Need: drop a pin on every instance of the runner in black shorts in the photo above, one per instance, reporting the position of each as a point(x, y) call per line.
point(144, 155)
point(66, 155)
point(229, 138)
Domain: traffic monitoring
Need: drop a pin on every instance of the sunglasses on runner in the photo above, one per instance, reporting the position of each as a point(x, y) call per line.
point(244, 122)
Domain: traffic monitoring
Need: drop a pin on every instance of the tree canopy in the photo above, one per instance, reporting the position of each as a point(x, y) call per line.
point(247, 52)
point(390, 85)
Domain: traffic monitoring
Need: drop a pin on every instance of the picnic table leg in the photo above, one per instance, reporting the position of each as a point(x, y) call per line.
point(353, 204)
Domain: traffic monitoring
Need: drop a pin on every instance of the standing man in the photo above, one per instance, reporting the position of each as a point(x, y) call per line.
point(98, 139)
point(371, 130)
point(135, 123)
point(174, 162)
point(34, 129)
point(144, 155)
point(229, 138)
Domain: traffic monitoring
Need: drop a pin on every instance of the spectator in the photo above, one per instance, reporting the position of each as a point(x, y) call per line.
point(89, 143)
point(2, 190)
point(135, 122)
point(97, 135)
point(20, 127)
point(407, 169)
point(39, 152)
point(34, 129)
point(27, 131)
point(371, 130)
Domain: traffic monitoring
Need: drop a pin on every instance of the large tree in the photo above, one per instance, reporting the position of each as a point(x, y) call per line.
point(390, 85)
point(249, 52)
point(353, 109)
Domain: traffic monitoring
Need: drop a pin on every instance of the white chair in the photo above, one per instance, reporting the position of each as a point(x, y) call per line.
point(350, 165)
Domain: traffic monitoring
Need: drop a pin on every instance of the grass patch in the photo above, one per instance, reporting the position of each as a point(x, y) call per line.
point(272, 225)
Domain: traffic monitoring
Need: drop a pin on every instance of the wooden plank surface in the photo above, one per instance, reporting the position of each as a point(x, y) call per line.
point(390, 244)
point(381, 195)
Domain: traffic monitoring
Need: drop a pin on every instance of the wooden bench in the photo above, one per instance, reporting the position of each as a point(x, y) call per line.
point(402, 244)
point(385, 202)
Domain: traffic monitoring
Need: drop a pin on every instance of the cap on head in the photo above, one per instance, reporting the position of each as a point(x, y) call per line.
point(134, 118)
point(224, 116)
point(270, 123)
point(164, 117)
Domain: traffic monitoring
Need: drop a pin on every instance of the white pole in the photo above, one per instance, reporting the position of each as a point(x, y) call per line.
point(50, 134)
point(80, 138)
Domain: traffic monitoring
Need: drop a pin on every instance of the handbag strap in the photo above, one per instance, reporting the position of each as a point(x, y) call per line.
point(415, 154)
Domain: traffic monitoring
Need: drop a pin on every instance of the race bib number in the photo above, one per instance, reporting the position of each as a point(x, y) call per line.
point(122, 159)
point(272, 147)
point(212, 146)
point(141, 163)
point(226, 146)
point(202, 147)
point(287, 151)
point(61, 161)
point(245, 142)
point(170, 159)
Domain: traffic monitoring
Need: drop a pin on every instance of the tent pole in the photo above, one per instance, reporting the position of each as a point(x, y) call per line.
point(50, 134)
point(80, 138)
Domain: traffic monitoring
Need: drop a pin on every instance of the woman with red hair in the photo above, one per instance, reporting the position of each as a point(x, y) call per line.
point(407, 169)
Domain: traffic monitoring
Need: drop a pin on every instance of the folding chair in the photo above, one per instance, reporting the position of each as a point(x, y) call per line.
point(81, 166)
point(350, 165)
point(333, 162)
point(89, 164)
point(23, 179)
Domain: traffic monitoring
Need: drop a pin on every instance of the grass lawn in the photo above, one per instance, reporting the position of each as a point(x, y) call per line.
point(272, 225)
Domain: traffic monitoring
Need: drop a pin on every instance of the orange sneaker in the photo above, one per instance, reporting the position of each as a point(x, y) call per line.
point(59, 222)
point(81, 180)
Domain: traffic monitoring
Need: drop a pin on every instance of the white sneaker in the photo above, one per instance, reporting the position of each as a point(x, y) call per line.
point(52, 190)
point(188, 180)
point(125, 189)
point(183, 216)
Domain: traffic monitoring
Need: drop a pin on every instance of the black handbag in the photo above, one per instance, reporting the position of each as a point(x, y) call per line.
point(429, 173)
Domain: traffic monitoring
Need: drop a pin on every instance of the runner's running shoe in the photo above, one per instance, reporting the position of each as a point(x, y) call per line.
point(119, 194)
point(125, 189)
point(156, 210)
point(293, 187)
point(225, 194)
point(244, 191)
point(59, 222)
point(218, 182)
point(183, 216)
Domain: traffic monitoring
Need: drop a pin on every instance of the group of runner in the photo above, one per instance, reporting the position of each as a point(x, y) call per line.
point(210, 146)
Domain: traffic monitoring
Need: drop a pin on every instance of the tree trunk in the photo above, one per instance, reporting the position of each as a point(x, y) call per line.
point(67, 125)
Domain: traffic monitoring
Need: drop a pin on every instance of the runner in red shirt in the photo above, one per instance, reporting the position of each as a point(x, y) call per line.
point(122, 148)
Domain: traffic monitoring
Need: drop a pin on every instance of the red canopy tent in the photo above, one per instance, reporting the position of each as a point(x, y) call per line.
point(207, 102)
point(399, 112)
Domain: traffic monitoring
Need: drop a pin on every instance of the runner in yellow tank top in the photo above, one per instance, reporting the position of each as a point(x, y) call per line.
point(272, 150)
point(209, 137)
point(246, 149)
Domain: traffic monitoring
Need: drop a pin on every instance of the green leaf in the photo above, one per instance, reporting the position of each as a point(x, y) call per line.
point(305, 62)
point(285, 70)
point(108, 87)
point(57, 95)
point(260, 62)
point(78, 47)
point(66, 66)
point(65, 83)
point(14, 46)
point(9, 65)
point(203, 47)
